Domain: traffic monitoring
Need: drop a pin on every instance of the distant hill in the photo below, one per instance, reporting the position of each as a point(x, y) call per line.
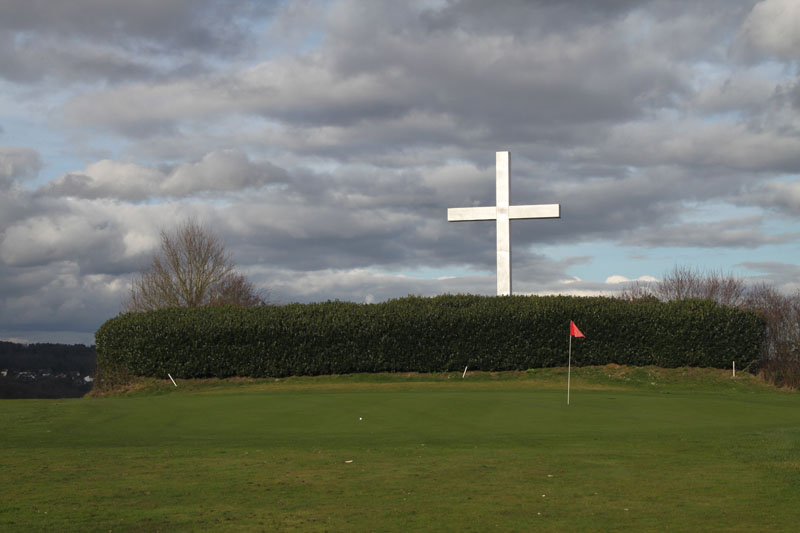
point(46, 370)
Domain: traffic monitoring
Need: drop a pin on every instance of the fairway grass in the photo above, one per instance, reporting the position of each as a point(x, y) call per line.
point(638, 449)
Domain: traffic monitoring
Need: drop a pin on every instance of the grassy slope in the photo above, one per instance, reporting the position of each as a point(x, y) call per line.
point(638, 449)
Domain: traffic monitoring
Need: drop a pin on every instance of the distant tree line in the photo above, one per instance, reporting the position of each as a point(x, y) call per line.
point(49, 387)
point(56, 358)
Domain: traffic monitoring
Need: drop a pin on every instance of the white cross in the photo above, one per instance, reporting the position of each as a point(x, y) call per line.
point(503, 213)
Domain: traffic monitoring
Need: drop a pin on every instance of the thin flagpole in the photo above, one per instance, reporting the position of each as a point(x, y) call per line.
point(569, 366)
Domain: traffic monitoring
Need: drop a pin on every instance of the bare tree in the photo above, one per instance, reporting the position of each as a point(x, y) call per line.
point(780, 360)
point(685, 282)
point(780, 313)
point(191, 269)
point(639, 290)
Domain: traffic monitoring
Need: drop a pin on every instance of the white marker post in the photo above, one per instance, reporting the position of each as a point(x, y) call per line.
point(465, 372)
point(734, 369)
point(172, 380)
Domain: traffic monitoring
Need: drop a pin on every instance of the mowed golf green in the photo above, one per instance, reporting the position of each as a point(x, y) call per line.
point(637, 450)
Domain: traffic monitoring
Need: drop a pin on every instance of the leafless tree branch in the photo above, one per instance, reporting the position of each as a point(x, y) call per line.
point(191, 269)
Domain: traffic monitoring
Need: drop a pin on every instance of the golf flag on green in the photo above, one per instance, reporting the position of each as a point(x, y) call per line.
point(573, 332)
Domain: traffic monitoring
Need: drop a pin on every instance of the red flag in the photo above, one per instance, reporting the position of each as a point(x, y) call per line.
point(573, 330)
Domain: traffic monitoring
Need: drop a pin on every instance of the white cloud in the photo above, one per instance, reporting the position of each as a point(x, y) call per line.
point(772, 27)
point(741, 232)
point(98, 235)
point(108, 179)
point(616, 279)
point(366, 285)
point(227, 170)
point(699, 143)
point(50, 238)
point(780, 195)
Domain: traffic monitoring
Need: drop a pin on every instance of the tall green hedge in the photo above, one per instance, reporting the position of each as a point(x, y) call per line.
point(427, 335)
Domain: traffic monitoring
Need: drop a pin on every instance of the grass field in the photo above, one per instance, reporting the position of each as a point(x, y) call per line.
point(637, 450)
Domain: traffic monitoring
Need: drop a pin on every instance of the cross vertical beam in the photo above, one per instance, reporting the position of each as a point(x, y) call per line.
point(503, 193)
point(502, 213)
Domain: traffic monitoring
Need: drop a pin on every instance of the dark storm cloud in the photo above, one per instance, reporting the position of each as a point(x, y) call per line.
point(490, 83)
point(589, 93)
point(83, 40)
point(17, 163)
point(47, 232)
point(50, 301)
point(325, 141)
point(731, 233)
point(517, 17)
point(526, 71)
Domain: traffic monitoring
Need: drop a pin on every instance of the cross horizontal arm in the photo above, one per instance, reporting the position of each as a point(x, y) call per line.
point(535, 211)
point(463, 214)
point(460, 214)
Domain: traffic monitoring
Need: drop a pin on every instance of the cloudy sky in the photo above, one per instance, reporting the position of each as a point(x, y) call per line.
point(323, 141)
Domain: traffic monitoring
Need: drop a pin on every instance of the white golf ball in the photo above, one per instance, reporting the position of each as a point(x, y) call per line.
point(360, 418)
